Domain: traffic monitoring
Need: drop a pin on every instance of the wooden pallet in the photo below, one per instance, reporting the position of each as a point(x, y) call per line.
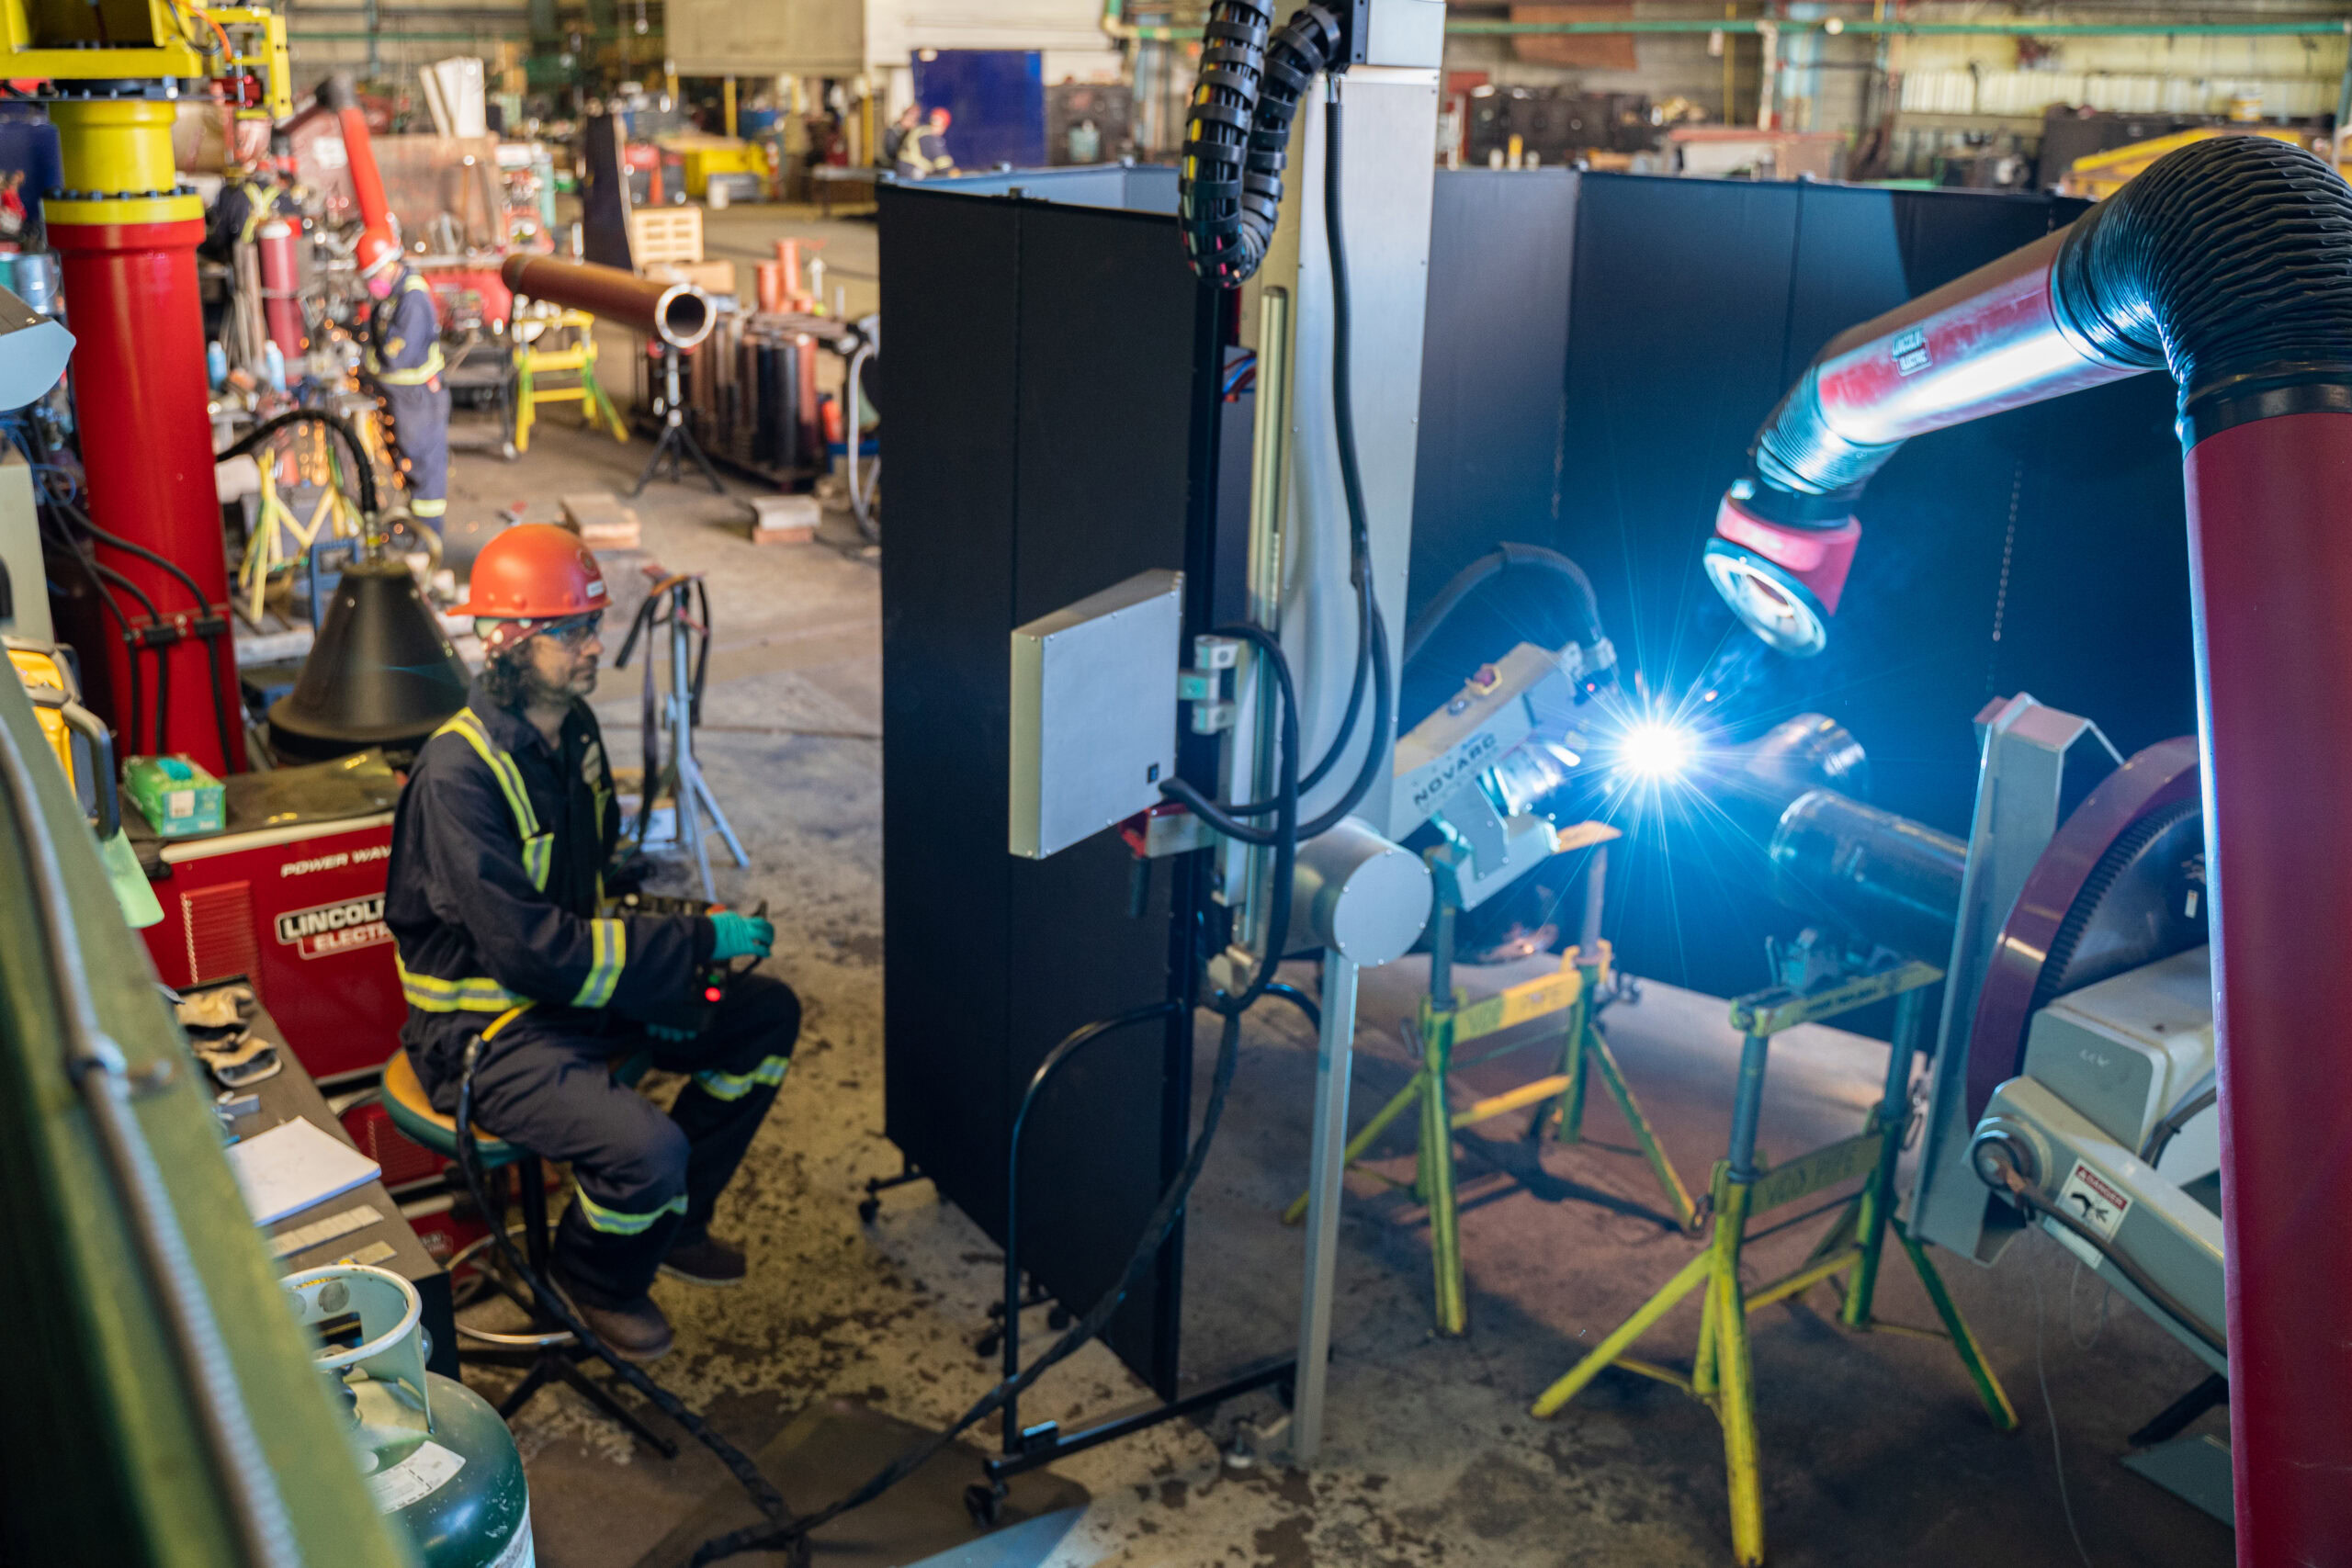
point(665, 234)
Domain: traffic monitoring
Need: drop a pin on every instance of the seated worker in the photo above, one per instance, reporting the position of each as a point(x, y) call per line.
point(499, 852)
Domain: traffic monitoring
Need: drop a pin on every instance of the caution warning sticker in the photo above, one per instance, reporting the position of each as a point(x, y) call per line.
point(2094, 1200)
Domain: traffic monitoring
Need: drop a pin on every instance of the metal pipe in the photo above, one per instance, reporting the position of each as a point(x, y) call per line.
point(1881, 876)
point(678, 313)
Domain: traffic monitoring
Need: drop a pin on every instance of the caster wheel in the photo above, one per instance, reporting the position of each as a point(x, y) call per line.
point(985, 1502)
point(506, 451)
point(990, 1343)
point(1058, 1319)
point(867, 1209)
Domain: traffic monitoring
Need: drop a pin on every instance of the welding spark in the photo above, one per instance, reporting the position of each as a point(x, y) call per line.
point(1656, 748)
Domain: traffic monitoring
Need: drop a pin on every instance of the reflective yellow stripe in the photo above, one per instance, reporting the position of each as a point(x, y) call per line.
point(416, 376)
point(735, 1086)
point(426, 508)
point(608, 947)
point(452, 996)
point(619, 1221)
point(466, 726)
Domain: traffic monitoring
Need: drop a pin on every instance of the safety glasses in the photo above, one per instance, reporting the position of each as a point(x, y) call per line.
point(570, 634)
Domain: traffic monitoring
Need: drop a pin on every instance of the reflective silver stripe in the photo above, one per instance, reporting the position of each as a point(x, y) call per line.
point(608, 945)
point(621, 1222)
point(735, 1086)
point(416, 376)
point(452, 995)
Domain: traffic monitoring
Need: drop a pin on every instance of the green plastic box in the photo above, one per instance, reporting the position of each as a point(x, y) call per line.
point(178, 798)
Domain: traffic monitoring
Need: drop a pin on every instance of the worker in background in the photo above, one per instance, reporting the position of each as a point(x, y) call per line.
point(500, 848)
point(898, 133)
point(254, 192)
point(924, 155)
point(404, 362)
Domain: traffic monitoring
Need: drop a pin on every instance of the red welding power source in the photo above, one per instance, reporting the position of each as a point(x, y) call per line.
point(292, 897)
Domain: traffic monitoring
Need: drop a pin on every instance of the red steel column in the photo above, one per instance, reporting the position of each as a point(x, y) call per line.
point(2270, 561)
point(138, 396)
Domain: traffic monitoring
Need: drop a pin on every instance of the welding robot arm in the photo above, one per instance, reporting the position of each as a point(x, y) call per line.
point(2215, 262)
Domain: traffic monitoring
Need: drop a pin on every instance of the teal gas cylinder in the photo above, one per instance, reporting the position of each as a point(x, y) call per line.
point(435, 1454)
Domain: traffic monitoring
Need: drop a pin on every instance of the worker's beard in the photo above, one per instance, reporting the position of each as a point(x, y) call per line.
point(513, 680)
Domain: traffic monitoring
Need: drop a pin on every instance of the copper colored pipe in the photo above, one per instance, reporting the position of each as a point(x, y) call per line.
point(677, 314)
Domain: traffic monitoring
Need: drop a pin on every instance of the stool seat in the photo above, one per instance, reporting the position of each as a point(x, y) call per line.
point(412, 1113)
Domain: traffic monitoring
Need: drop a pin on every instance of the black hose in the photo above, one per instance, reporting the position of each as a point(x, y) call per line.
point(91, 569)
point(211, 637)
point(160, 652)
point(739, 1464)
point(1364, 617)
point(2161, 1135)
point(363, 471)
point(1236, 132)
point(2029, 1197)
point(1208, 810)
point(1503, 559)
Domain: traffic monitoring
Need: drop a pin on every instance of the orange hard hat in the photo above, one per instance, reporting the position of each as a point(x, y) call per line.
point(377, 251)
point(534, 571)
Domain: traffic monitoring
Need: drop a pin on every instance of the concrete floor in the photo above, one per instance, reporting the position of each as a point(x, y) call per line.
point(1874, 1448)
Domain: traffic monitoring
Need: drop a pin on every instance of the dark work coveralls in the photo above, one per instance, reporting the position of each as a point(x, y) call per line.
point(404, 362)
point(498, 851)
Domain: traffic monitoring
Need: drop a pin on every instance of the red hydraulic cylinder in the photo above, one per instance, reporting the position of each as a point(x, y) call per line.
point(2270, 561)
point(138, 393)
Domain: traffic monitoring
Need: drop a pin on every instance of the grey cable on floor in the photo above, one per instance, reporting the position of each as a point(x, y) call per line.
point(2057, 1453)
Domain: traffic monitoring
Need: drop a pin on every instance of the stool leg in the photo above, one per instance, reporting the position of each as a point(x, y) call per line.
point(533, 1177)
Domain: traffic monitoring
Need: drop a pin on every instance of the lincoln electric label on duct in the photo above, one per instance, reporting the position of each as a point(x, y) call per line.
point(330, 928)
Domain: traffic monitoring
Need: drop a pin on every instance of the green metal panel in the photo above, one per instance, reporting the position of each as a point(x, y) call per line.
point(99, 1440)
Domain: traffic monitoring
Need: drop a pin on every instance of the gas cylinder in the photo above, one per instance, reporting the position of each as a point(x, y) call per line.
point(281, 288)
point(441, 1463)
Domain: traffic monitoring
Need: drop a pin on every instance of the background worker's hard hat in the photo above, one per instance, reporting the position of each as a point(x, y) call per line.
point(377, 249)
point(534, 571)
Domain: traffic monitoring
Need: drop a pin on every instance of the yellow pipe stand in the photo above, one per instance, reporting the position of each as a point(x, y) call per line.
point(1449, 1019)
point(1722, 1375)
point(576, 360)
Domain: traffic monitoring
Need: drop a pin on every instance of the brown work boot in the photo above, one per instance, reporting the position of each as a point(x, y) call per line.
point(708, 1261)
point(637, 1332)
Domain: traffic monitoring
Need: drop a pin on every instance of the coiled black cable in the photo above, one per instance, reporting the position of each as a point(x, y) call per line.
point(1237, 131)
point(1371, 637)
point(363, 471)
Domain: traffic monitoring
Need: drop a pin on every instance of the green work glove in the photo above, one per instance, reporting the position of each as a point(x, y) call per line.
point(741, 936)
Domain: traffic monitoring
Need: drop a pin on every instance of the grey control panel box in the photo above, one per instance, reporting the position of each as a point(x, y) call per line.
point(1093, 712)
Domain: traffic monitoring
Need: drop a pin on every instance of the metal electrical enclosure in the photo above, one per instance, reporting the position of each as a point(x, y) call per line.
point(1057, 386)
point(1090, 743)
